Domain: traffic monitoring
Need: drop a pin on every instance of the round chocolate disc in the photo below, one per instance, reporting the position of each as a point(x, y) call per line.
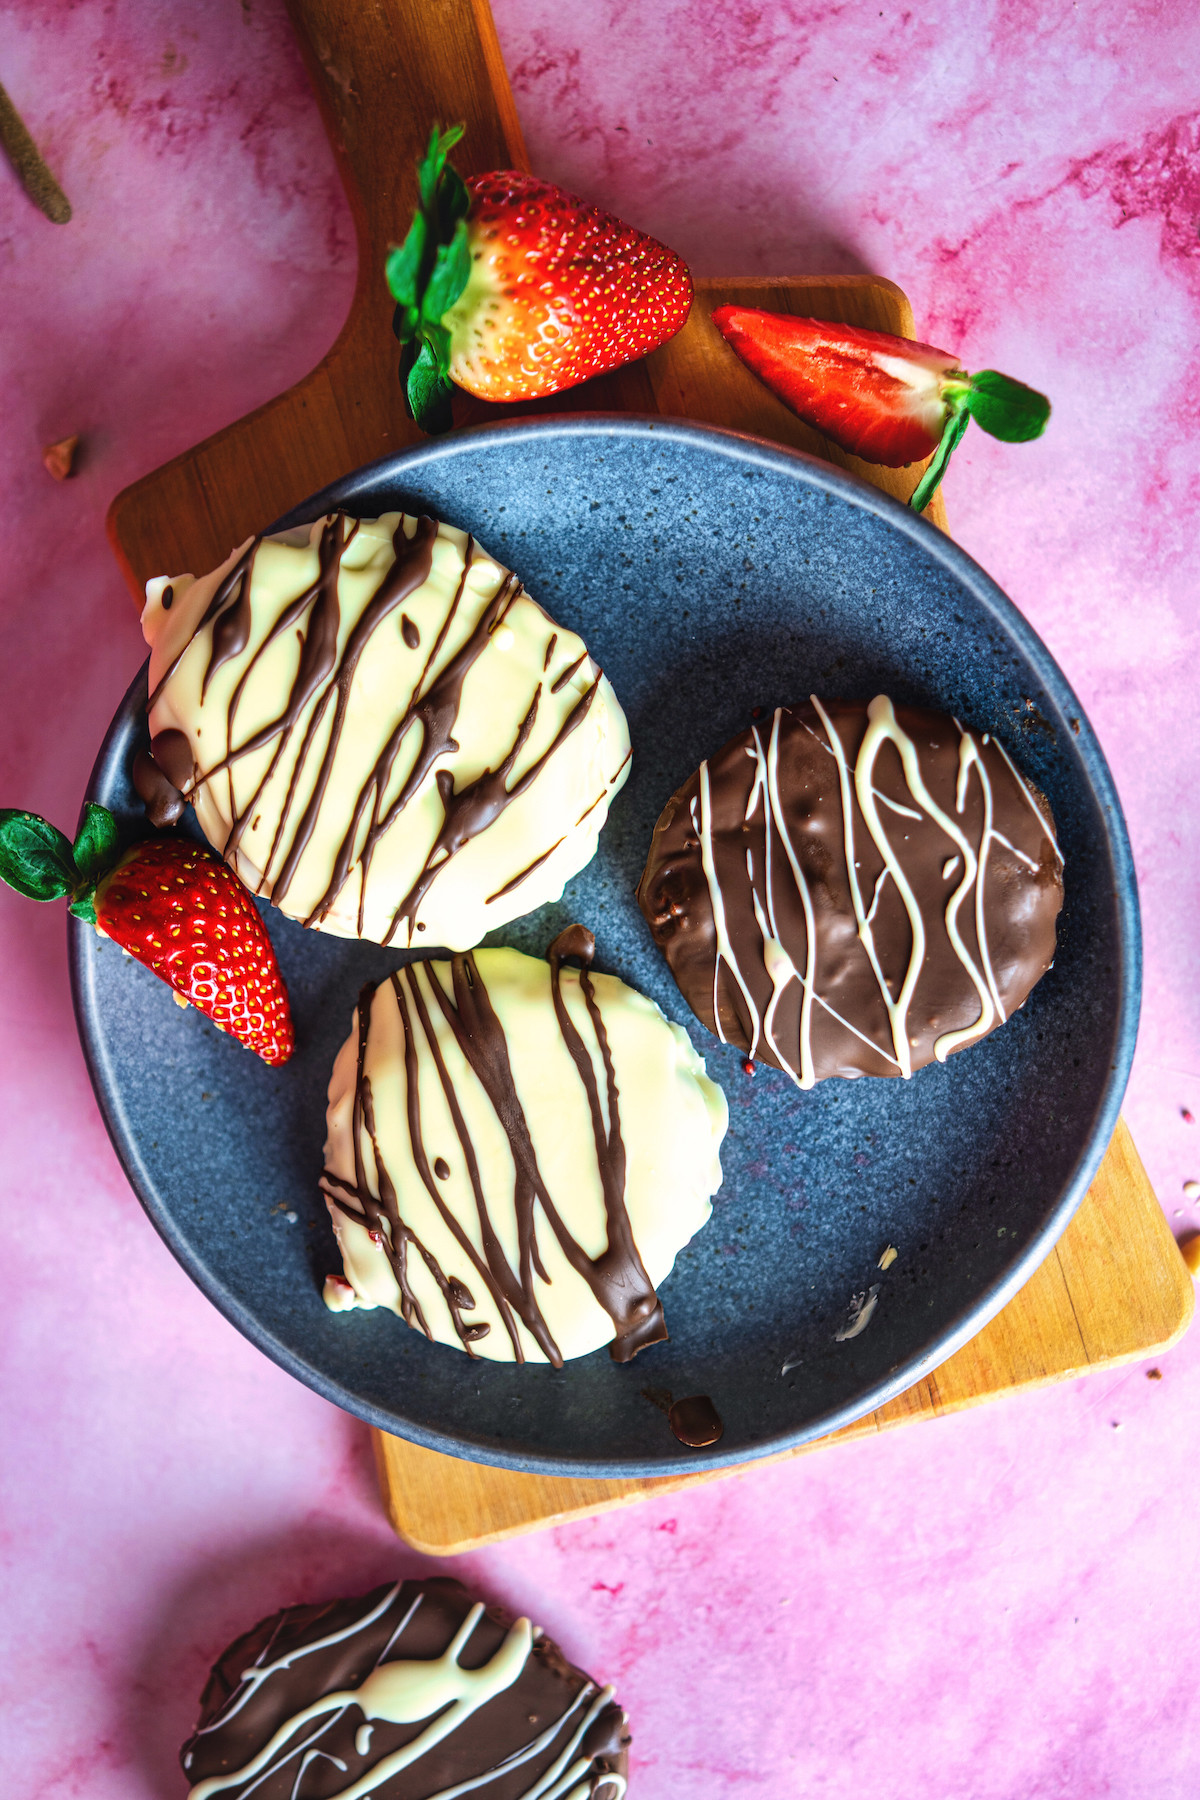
point(854, 889)
point(413, 1690)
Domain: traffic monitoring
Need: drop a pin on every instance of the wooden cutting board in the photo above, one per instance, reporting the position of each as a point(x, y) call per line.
point(1115, 1288)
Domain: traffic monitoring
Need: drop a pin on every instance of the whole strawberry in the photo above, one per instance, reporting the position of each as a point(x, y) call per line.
point(887, 399)
point(512, 288)
point(171, 903)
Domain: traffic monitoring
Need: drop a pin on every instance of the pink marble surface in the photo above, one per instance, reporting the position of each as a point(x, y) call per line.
point(997, 1607)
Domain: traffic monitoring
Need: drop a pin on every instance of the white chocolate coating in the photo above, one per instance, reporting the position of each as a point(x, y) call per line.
point(294, 813)
point(670, 1120)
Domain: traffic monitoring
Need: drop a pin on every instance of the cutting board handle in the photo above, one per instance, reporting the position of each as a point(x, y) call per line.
point(384, 72)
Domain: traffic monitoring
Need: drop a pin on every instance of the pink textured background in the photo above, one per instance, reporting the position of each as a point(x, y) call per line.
point(997, 1607)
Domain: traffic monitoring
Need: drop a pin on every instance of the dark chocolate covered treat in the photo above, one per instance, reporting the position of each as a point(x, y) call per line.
point(852, 889)
point(412, 1692)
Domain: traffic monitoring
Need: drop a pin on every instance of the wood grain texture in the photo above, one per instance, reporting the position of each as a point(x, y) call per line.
point(1115, 1288)
point(383, 71)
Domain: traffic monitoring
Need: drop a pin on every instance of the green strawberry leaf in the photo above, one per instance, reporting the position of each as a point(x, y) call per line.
point(84, 909)
point(451, 267)
point(453, 201)
point(1006, 409)
point(957, 420)
point(35, 858)
point(403, 267)
point(426, 274)
point(96, 843)
point(429, 171)
point(427, 389)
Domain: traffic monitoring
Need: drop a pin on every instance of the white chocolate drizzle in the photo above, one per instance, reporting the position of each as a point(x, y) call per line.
point(884, 815)
point(439, 1690)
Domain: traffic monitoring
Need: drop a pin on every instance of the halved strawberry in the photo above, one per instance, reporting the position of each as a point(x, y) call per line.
point(171, 903)
point(512, 288)
point(887, 399)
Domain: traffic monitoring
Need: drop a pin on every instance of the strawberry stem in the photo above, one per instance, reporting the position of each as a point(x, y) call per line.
point(39, 862)
point(426, 275)
point(957, 420)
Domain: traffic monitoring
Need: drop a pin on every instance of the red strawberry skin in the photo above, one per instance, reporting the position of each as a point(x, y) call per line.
point(559, 291)
point(874, 395)
point(180, 910)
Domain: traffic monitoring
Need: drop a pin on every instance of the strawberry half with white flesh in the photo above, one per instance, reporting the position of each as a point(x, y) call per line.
point(171, 903)
point(887, 399)
point(512, 288)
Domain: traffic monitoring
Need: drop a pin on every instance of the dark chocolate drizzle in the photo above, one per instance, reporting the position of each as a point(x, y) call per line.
point(696, 1421)
point(162, 799)
point(561, 681)
point(849, 1031)
point(292, 1661)
point(219, 600)
point(161, 777)
point(318, 660)
point(413, 559)
point(630, 1296)
point(617, 1277)
point(173, 755)
point(529, 868)
point(231, 623)
point(470, 810)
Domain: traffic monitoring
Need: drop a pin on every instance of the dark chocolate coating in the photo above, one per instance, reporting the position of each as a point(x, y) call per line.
point(164, 803)
point(546, 1690)
point(1022, 889)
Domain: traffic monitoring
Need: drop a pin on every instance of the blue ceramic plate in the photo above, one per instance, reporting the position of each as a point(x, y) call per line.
point(709, 573)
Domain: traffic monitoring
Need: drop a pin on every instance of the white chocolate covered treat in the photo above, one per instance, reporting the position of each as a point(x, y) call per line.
point(517, 1152)
point(380, 730)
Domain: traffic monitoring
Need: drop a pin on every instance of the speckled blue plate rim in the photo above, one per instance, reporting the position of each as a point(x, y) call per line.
point(1071, 718)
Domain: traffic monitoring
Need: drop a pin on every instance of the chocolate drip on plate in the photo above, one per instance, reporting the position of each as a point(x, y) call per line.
point(696, 1421)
